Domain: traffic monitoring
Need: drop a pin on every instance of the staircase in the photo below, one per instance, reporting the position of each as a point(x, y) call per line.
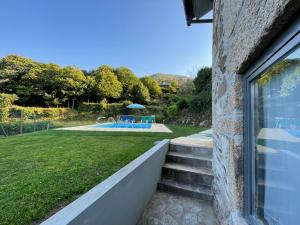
point(188, 168)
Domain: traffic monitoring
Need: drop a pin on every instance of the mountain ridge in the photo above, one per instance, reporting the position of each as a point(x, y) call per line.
point(163, 77)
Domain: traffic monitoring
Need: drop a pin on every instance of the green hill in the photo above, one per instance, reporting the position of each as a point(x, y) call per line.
point(180, 79)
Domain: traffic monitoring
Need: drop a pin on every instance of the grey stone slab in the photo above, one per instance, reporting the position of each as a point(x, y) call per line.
point(195, 191)
point(187, 174)
point(189, 159)
point(198, 150)
point(176, 209)
point(186, 168)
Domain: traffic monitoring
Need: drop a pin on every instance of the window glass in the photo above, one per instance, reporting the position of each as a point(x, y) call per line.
point(276, 128)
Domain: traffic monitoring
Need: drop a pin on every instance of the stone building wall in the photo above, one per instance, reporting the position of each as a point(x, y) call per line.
point(242, 30)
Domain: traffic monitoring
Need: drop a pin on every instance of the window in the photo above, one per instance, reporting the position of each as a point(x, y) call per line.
point(273, 136)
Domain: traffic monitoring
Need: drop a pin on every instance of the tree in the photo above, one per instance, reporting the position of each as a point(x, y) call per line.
point(103, 69)
point(17, 76)
point(187, 88)
point(107, 84)
point(203, 80)
point(90, 87)
point(12, 69)
point(291, 79)
point(203, 99)
point(285, 72)
point(172, 88)
point(72, 84)
point(141, 93)
point(33, 82)
point(128, 80)
point(153, 87)
point(46, 84)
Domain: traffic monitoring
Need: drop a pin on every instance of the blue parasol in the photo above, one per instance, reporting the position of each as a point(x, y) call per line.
point(135, 106)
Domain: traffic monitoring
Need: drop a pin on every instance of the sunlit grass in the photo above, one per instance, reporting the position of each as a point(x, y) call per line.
point(42, 172)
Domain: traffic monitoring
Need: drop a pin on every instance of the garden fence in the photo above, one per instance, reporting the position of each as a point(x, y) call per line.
point(19, 124)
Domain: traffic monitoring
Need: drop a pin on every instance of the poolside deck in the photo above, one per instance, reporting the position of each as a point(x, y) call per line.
point(203, 139)
point(156, 127)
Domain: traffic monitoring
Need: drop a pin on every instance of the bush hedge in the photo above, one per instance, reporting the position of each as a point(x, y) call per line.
point(15, 128)
point(108, 109)
point(182, 104)
point(201, 102)
point(171, 111)
point(6, 101)
point(40, 113)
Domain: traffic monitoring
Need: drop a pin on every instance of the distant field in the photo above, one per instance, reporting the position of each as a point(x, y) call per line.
point(42, 172)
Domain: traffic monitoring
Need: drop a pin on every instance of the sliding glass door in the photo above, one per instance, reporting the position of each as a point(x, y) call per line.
point(276, 130)
point(272, 128)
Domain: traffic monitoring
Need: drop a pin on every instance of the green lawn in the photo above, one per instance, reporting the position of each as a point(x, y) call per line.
point(42, 172)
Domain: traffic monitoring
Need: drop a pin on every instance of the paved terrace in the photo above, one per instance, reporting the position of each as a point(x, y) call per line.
point(167, 208)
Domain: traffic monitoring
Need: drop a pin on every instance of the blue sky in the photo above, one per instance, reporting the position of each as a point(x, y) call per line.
point(148, 36)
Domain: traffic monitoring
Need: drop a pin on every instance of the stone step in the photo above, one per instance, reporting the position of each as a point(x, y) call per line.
point(195, 191)
point(189, 159)
point(191, 149)
point(188, 174)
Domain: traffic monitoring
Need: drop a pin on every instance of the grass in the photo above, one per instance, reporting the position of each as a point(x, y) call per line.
point(72, 123)
point(42, 172)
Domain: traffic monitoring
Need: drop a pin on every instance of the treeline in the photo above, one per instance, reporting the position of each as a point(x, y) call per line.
point(50, 85)
point(198, 104)
point(24, 82)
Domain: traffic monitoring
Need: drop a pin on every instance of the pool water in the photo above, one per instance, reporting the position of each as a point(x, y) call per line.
point(125, 125)
point(295, 133)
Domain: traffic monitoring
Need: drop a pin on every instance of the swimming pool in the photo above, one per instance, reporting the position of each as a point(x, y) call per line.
point(125, 125)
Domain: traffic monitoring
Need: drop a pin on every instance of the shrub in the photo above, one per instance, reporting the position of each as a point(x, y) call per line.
point(126, 103)
point(103, 104)
point(182, 104)
point(203, 80)
point(153, 109)
point(201, 102)
point(124, 109)
point(141, 93)
point(172, 98)
point(88, 107)
point(114, 109)
point(6, 101)
point(40, 113)
point(171, 111)
point(160, 118)
point(15, 128)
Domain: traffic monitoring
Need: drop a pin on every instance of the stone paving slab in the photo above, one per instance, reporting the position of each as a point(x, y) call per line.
point(206, 134)
point(167, 208)
point(194, 142)
point(201, 139)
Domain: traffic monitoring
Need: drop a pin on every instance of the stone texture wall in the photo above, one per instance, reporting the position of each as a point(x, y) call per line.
point(242, 30)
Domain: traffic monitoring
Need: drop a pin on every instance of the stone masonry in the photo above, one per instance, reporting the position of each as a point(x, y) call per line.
point(242, 30)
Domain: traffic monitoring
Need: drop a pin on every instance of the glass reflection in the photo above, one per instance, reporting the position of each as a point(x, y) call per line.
point(276, 124)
